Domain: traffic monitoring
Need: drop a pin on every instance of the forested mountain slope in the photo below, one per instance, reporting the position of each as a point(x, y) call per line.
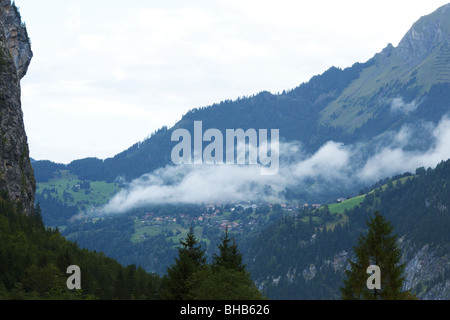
point(404, 85)
point(34, 260)
point(296, 258)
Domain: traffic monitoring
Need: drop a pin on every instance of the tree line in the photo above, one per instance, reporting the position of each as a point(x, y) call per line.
point(192, 278)
point(34, 260)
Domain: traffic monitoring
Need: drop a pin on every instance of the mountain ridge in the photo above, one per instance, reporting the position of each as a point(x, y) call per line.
point(354, 106)
point(426, 33)
point(395, 70)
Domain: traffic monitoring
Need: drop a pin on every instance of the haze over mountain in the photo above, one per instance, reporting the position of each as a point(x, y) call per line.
point(342, 130)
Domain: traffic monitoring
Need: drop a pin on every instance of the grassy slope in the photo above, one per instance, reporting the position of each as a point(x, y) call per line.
point(339, 208)
point(100, 191)
point(346, 205)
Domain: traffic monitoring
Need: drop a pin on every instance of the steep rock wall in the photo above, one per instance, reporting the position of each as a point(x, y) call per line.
point(16, 173)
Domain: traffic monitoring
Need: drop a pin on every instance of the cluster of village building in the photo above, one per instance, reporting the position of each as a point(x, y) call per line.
point(236, 217)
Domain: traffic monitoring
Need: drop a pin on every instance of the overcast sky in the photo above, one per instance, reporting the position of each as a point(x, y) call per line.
point(106, 74)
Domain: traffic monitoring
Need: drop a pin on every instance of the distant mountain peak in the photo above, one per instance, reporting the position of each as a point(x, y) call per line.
point(420, 61)
point(426, 34)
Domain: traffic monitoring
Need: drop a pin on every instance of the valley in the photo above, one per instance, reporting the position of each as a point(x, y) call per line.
point(371, 137)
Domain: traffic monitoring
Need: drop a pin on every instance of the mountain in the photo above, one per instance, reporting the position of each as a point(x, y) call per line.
point(374, 119)
point(413, 71)
point(298, 258)
point(16, 172)
point(400, 87)
point(294, 252)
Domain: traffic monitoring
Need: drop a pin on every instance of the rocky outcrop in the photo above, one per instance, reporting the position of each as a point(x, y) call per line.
point(16, 36)
point(427, 33)
point(16, 173)
point(425, 273)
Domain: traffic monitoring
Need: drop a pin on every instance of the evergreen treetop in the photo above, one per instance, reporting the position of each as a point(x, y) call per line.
point(378, 247)
point(230, 257)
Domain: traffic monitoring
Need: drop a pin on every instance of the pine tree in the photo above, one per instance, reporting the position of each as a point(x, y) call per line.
point(220, 283)
point(191, 258)
point(378, 247)
point(226, 278)
point(119, 286)
point(230, 257)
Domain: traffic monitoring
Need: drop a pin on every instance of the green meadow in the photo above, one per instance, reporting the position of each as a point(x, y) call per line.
point(75, 192)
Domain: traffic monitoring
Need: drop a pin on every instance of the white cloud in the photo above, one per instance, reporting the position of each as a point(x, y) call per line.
point(328, 161)
point(397, 159)
point(398, 105)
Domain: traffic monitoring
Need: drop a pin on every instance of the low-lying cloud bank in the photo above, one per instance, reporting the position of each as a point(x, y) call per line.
point(334, 164)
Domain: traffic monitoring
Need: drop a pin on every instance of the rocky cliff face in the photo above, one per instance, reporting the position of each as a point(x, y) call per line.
point(419, 63)
point(425, 272)
point(16, 173)
point(426, 34)
point(16, 37)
